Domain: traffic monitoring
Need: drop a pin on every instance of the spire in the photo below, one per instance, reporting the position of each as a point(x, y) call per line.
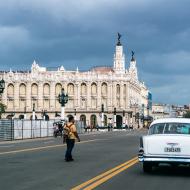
point(133, 69)
point(119, 57)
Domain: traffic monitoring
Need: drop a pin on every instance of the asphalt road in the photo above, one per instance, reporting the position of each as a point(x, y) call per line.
point(39, 164)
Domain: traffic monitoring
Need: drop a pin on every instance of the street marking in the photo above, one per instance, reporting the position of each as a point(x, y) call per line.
point(41, 148)
point(99, 182)
point(103, 175)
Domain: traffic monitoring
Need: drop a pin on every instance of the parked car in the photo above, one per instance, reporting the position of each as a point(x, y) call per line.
point(168, 141)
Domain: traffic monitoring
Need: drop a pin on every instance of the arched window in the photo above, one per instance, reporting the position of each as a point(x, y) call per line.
point(70, 89)
point(93, 121)
point(10, 90)
point(93, 89)
point(83, 89)
point(10, 95)
point(58, 88)
point(34, 89)
point(22, 90)
point(104, 89)
point(118, 89)
point(46, 89)
point(83, 119)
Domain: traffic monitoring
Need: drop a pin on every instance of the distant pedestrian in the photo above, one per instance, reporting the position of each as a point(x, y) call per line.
point(71, 134)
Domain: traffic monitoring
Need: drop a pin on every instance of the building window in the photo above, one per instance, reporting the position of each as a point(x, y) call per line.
point(22, 90)
point(70, 89)
point(83, 89)
point(10, 103)
point(104, 89)
point(94, 103)
point(46, 89)
point(83, 103)
point(70, 104)
point(118, 89)
point(94, 89)
point(10, 90)
point(34, 90)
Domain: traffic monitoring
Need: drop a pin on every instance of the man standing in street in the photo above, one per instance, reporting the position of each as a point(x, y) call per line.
point(71, 135)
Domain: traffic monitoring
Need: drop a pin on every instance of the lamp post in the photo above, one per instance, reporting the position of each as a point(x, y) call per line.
point(43, 114)
point(75, 113)
point(33, 112)
point(63, 99)
point(114, 117)
point(102, 116)
point(25, 112)
point(124, 119)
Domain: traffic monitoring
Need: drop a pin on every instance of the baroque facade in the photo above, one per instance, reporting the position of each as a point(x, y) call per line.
point(114, 87)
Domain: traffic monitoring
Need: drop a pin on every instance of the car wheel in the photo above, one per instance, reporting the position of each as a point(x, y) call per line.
point(147, 167)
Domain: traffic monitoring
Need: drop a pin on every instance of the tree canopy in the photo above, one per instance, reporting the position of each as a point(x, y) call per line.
point(2, 109)
point(187, 114)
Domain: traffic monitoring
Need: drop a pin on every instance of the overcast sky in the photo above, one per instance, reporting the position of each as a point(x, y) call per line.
point(83, 33)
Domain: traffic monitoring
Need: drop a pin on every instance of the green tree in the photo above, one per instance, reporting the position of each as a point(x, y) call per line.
point(187, 114)
point(2, 109)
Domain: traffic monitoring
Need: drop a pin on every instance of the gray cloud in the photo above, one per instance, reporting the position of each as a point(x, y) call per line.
point(83, 33)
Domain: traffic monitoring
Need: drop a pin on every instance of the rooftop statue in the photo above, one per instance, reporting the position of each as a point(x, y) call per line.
point(118, 38)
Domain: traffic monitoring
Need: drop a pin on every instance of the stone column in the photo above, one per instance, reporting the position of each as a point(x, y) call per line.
point(114, 102)
point(28, 96)
point(99, 98)
point(121, 96)
point(40, 96)
point(4, 95)
point(78, 95)
point(75, 96)
point(109, 96)
point(52, 96)
point(88, 96)
point(16, 96)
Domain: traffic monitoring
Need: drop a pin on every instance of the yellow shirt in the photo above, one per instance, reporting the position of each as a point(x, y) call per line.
point(71, 128)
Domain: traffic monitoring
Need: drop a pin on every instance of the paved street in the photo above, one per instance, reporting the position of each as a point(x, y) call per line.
point(39, 164)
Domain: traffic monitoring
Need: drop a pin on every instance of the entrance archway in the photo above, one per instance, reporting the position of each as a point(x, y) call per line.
point(46, 117)
point(68, 116)
point(93, 121)
point(119, 121)
point(83, 119)
point(21, 116)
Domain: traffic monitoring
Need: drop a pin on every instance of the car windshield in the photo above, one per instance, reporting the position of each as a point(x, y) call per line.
point(170, 128)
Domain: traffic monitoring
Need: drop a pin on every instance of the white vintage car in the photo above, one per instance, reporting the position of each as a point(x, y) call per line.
point(168, 141)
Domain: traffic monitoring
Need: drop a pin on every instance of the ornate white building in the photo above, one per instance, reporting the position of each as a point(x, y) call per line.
point(114, 87)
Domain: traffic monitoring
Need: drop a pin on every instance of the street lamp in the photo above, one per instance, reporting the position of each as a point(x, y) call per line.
point(63, 99)
point(102, 116)
point(33, 112)
point(114, 117)
point(75, 113)
point(123, 118)
point(43, 114)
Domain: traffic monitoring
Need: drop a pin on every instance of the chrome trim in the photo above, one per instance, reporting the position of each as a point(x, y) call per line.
point(153, 159)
